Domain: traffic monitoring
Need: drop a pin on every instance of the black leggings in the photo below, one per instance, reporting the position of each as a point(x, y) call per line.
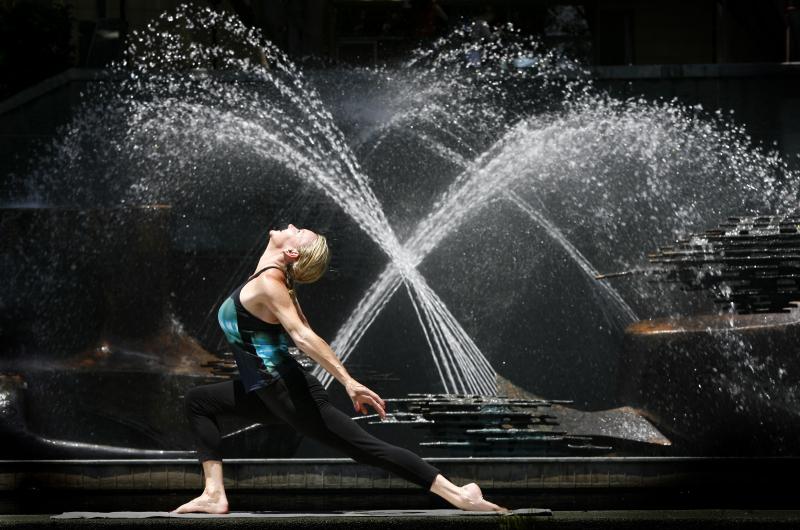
point(299, 399)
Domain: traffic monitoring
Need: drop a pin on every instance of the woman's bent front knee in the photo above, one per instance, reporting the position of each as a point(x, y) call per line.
point(194, 401)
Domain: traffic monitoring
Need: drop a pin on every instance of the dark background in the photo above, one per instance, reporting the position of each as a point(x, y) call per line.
point(732, 55)
point(720, 53)
point(39, 39)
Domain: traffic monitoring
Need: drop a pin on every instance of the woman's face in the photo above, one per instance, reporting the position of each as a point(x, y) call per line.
point(291, 237)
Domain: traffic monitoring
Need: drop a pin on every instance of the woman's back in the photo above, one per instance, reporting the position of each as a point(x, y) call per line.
point(258, 346)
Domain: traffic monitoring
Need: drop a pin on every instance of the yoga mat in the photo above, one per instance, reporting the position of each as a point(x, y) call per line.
point(270, 515)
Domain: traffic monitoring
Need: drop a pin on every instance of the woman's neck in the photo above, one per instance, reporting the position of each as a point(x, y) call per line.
point(272, 257)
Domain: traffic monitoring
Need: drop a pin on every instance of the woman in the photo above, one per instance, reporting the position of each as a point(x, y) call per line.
point(274, 388)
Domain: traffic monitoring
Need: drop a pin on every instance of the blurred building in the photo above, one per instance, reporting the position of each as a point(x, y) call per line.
point(734, 54)
point(43, 36)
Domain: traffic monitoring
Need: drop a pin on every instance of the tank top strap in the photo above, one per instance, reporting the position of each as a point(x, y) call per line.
point(262, 270)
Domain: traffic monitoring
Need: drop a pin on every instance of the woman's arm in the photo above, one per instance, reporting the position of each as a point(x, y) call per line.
point(300, 311)
point(277, 298)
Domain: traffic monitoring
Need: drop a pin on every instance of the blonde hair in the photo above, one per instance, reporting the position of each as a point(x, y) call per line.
point(311, 264)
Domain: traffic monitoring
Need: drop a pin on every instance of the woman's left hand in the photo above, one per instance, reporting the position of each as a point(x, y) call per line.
point(363, 396)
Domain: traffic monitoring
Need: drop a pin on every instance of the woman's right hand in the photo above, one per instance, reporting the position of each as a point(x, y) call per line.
point(363, 396)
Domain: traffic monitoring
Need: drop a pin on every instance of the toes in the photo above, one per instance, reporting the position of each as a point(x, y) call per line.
point(184, 508)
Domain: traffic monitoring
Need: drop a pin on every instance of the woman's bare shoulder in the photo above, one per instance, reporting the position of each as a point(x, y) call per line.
point(270, 280)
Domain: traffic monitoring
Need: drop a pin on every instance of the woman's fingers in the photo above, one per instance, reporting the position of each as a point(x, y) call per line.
point(372, 394)
point(377, 406)
point(363, 396)
point(377, 398)
point(367, 400)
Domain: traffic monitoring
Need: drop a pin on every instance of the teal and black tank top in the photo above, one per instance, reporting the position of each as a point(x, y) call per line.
point(259, 347)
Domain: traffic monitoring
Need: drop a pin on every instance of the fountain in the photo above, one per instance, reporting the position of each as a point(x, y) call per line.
point(742, 362)
point(449, 265)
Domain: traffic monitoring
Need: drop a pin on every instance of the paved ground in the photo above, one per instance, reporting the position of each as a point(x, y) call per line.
point(627, 519)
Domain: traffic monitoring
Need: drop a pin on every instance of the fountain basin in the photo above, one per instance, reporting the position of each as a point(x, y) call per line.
point(716, 384)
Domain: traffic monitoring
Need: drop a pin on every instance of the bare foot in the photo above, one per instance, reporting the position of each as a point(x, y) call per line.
point(473, 501)
point(205, 503)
